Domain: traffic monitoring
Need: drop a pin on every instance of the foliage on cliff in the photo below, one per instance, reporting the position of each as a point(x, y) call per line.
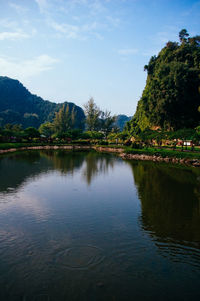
point(171, 98)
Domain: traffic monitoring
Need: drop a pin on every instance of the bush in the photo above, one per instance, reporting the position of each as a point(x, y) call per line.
point(81, 142)
point(136, 145)
point(103, 142)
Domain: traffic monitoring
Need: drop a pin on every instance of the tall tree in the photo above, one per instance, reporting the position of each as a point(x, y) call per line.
point(92, 113)
point(183, 35)
point(107, 122)
point(64, 119)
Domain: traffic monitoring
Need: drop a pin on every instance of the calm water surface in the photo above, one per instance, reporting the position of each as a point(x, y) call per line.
point(88, 226)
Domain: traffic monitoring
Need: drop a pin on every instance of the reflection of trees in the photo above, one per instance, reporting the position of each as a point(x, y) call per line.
point(65, 162)
point(16, 168)
point(96, 163)
point(169, 201)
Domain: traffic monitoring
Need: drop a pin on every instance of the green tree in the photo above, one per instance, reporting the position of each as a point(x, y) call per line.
point(183, 35)
point(8, 126)
point(46, 129)
point(92, 113)
point(17, 128)
point(92, 135)
point(64, 119)
point(107, 122)
point(31, 132)
point(198, 130)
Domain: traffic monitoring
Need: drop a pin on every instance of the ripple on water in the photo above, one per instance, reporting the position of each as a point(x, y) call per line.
point(79, 257)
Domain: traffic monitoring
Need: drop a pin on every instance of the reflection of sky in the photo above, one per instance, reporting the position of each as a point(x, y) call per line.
point(37, 194)
point(52, 212)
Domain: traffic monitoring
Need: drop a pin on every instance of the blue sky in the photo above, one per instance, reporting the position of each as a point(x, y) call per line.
point(71, 50)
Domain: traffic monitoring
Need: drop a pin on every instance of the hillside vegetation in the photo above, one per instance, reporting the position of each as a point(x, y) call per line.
point(171, 97)
point(19, 106)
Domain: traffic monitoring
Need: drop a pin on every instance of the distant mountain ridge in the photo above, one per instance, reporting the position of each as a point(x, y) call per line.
point(19, 106)
point(121, 121)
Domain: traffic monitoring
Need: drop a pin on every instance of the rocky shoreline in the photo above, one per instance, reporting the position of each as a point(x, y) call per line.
point(45, 147)
point(143, 157)
point(186, 161)
point(119, 151)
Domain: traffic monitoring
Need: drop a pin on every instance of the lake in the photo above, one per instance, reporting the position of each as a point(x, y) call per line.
point(88, 226)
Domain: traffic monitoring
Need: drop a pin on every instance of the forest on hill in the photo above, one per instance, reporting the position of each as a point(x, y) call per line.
point(171, 97)
point(19, 106)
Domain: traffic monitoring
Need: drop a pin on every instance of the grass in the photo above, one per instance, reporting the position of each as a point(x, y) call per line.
point(164, 153)
point(152, 151)
point(4, 146)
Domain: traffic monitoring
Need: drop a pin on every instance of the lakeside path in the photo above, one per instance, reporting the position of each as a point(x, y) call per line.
point(195, 162)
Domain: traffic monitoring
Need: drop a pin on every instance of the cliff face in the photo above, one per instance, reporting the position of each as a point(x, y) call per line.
point(19, 106)
point(171, 98)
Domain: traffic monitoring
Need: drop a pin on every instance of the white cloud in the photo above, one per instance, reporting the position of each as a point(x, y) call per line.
point(113, 21)
point(27, 68)
point(75, 31)
point(7, 23)
point(127, 51)
point(11, 30)
point(92, 20)
point(93, 6)
point(42, 4)
point(18, 8)
point(96, 7)
point(17, 35)
point(70, 31)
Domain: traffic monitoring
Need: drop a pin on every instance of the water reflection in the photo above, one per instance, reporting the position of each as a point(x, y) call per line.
point(17, 168)
point(96, 164)
point(170, 203)
point(170, 196)
point(69, 228)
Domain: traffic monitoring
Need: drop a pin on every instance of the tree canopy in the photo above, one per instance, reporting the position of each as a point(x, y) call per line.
point(92, 113)
point(98, 120)
point(171, 98)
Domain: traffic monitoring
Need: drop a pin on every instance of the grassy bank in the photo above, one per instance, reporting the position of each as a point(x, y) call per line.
point(164, 153)
point(160, 152)
point(151, 151)
point(5, 146)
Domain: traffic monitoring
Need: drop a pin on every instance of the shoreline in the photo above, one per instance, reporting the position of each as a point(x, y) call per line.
point(120, 151)
point(154, 158)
